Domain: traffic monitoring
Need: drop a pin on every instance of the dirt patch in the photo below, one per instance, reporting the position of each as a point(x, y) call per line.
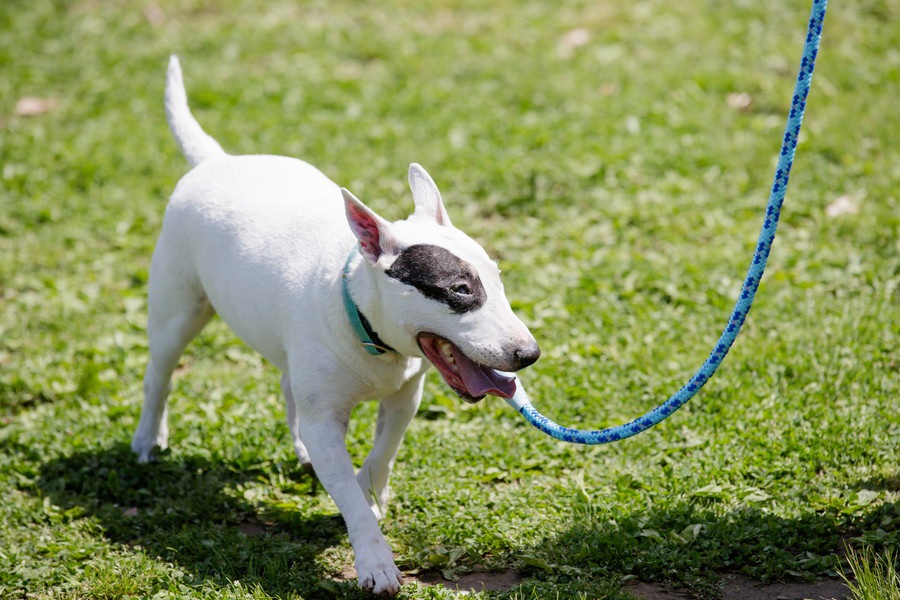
point(737, 587)
point(477, 581)
point(251, 529)
point(655, 591)
point(742, 588)
point(734, 587)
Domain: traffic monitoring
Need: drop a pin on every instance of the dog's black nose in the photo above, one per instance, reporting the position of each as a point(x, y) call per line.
point(526, 355)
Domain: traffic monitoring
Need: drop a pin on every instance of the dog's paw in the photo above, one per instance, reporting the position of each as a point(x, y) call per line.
point(144, 449)
point(148, 437)
point(379, 576)
point(145, 456)
point(302, 454)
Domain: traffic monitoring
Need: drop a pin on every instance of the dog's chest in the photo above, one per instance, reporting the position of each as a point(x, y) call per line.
point(378, 381)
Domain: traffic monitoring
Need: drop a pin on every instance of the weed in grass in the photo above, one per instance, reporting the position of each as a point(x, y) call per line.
point(873, 576)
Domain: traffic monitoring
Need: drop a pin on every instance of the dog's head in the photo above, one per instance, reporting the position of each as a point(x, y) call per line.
point(440, 295)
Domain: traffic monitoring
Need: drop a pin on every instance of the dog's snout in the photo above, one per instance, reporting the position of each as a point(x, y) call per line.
point(526, 355)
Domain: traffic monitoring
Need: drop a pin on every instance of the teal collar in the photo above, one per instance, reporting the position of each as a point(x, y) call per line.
point(369, 340)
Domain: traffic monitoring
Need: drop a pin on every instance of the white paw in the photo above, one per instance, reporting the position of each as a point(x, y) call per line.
point(144, 447)
point(379, 575)
point(302, 455)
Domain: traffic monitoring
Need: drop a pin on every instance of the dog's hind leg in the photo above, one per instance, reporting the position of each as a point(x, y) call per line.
point(394, 415)
point(178, 310)
point(293, 421)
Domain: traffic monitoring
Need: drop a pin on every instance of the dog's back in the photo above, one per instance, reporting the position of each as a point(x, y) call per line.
point(235, 226)
point(240, 223)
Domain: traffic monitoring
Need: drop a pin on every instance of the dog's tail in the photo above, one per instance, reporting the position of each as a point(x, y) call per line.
point(195, 144)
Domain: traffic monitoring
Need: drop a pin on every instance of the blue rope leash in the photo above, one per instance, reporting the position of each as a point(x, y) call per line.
point(520, 400)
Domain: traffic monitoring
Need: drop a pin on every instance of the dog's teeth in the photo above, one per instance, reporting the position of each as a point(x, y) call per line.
point(447, 355)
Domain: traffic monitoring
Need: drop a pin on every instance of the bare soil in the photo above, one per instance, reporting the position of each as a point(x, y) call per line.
point(738, 587)
point(735, 587)
point(477, 581)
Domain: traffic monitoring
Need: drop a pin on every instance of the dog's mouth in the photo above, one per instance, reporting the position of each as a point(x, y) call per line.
point(469, 379)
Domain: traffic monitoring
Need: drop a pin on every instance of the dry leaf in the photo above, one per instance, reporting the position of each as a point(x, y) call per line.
point(154, 15)
point(739, 101)
point(609, 89)
point(842, 205)
point(572, 40)
point(32, 106)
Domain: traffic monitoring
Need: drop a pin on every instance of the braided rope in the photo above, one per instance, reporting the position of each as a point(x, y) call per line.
point(520, 400)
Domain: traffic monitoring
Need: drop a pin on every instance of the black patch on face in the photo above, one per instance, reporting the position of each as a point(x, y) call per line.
point(440, 275)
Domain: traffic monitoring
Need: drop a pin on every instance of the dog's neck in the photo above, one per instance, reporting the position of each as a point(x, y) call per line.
point(368, 337)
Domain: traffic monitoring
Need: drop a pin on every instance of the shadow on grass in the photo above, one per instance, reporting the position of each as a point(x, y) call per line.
point(883, 483)
point(189, 511)
point(691, 546)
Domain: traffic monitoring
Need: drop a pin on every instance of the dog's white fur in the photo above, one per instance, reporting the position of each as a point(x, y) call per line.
point(262, 240)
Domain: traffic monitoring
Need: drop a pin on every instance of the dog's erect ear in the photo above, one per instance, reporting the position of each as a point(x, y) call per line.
point(426, 196)
point(373, 232)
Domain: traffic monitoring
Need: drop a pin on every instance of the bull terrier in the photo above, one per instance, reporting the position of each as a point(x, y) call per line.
point(347, 305)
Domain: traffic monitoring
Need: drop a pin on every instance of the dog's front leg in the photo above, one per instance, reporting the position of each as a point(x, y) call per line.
point(323, 431)
point(394, 415)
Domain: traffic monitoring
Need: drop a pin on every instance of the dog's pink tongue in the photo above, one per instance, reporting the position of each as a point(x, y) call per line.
point(481, 381)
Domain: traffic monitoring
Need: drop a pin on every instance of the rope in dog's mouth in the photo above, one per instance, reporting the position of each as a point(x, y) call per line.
point(520, 401)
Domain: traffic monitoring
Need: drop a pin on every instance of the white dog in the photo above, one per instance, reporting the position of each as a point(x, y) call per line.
point(346, 313)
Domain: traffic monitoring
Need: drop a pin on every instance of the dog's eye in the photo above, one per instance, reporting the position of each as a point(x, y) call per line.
point(462, 289)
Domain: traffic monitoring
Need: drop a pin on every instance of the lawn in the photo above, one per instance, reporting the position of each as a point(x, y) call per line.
point(615, 157)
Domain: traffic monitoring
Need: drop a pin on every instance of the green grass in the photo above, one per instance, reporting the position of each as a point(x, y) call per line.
point(873, 577)
point(622, 194)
